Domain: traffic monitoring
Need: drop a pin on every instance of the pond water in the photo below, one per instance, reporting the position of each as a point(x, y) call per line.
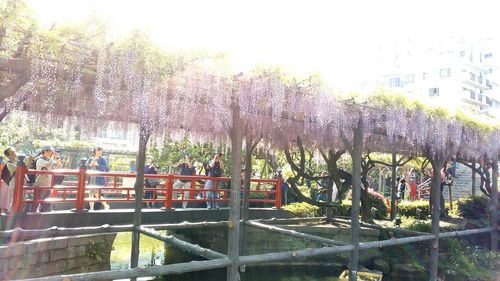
point(152, 251)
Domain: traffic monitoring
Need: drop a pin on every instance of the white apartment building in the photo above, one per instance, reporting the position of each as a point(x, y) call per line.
point(452, 72)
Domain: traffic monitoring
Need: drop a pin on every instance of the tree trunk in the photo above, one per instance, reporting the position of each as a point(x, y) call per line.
point(246, 192)
point(394, 186)
point(234, 203)
point(138, 186)
point(247, 176)
point(366, 207)
point(473, 190)
point(356, 155)
point(437, 162)
point(494, 205)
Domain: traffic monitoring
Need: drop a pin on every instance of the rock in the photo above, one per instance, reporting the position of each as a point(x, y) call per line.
point(407, 272)
point(450, 275)
point(381, 265)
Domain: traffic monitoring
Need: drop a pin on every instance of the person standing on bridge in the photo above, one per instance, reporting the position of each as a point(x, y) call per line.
point(150, 168)
point(186, 169)
point(215, 170)
point(99, 163)
point(46, 161)
point(8, 180)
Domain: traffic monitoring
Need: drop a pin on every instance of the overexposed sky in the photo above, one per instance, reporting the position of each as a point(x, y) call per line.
point(342, 40)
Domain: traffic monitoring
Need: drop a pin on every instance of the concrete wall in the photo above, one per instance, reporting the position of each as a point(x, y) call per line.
point(261, 241)
point(52, 256)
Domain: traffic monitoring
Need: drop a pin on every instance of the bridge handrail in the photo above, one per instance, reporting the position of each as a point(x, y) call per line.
point(81, 187)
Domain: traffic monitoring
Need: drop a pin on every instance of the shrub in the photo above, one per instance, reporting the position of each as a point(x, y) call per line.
point(343, 209)
point(409, 209)
point(473, 207)
point(411, 223)
point(378, 202)
point(302, 210)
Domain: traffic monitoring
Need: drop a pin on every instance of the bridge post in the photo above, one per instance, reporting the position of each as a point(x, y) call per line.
point(279, 182)
point(80, 192)
point(17, 202)
point(168, 192)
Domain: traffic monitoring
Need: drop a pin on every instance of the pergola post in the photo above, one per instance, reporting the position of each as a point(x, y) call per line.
point(494, 204)
point(233, 251)
point(138, 186)
point(473, 178)
point(437, 161)
point(394, 185)
point(356, 155)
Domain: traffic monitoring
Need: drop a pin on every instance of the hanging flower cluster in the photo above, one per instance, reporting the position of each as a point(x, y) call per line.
point(201, 101)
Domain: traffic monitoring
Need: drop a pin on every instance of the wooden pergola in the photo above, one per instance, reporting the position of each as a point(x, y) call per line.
point(237, 108)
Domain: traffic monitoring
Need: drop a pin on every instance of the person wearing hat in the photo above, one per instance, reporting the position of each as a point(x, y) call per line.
point(46, 161)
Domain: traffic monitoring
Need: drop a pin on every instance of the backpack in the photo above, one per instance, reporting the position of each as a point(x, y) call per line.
point(31, 178)
point(6, 176)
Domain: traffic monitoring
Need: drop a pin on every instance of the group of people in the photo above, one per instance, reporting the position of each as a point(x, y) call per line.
point(186, 167)
point(47, 159)
point(50, 159)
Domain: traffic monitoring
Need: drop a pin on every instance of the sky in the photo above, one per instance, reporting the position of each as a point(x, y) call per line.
point(341, 40)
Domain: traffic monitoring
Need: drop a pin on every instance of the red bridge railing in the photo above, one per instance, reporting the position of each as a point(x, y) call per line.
point(120, 188)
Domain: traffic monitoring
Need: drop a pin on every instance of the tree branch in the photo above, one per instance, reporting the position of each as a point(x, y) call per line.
point(10, 89)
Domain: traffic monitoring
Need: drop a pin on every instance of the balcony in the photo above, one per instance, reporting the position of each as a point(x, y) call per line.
point(473, 98)
point(473, 80)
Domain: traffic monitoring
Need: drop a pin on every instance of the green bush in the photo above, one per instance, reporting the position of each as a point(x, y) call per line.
point(343, 210)
point(302, 210)
point(409, 209)
point(378, 202)
point(411, 223)
point(473, 207)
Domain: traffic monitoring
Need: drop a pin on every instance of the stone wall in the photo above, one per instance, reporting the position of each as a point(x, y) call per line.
point(462, 184)
point(52, 256)
point(261, 241)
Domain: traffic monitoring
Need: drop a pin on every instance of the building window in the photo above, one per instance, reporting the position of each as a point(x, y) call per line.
point(462, 54)
point(395, 83)
point(472, 76)
point(433, 92)
point(444, 72)
point(472, 95)
point(480, 79)
point(424, 76)
point(480, 97)
point(409, 78)
point(488, 84)
point(488, 101)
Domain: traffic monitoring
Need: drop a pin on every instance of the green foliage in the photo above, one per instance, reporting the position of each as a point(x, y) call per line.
point(96, 249)
point(409, 209)
point(459, 259)
point(473, 207)
point(302, 210)
point(343, 210)
point(169, 154)
point(385, 98)
point(411, 223)
point(378, 202)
